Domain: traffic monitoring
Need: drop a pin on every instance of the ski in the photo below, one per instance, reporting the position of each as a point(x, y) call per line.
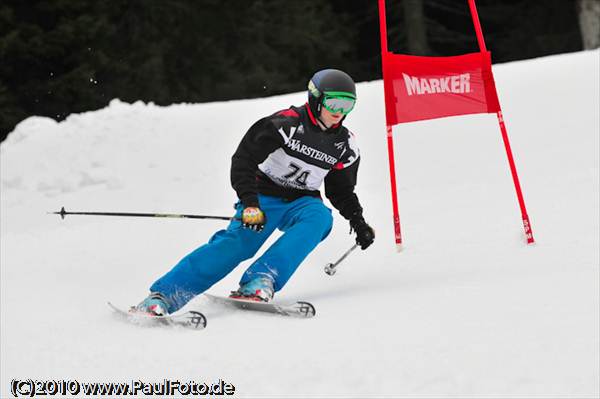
point(190, 319)
point(296, 309)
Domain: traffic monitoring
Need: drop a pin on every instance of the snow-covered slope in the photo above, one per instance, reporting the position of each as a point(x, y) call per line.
point(466, 310)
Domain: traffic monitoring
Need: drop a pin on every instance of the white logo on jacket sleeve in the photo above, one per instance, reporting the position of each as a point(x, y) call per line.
point(354, 153)
point(287, 138)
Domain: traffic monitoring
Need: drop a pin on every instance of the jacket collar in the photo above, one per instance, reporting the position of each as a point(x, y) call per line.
point(313, 119)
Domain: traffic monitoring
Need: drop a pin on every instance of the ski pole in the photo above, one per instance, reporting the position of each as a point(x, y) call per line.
point(330, 268)
point(63, 213)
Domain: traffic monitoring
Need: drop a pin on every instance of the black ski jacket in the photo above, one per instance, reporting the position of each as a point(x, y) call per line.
point(287, 155)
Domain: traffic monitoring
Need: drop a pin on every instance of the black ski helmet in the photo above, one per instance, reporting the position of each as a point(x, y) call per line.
point(328, 80)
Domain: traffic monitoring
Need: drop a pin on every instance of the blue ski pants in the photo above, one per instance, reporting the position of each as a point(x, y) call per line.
point(305, 222)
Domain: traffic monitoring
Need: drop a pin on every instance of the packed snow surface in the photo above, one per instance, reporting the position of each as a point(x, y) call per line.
point(467, 309)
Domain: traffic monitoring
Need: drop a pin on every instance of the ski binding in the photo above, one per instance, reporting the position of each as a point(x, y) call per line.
point(190, 319)
point(296, 309)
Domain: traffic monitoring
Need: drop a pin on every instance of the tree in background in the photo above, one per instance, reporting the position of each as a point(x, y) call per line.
point(63, 56)
point(416, 27)
point(589, 22)
point(49, 59)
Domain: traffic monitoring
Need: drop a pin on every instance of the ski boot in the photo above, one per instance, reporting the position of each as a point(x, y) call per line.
point(259, 289)
point(154, 305)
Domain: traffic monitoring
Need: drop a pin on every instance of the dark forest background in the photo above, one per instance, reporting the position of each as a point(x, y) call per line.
point(63, 56)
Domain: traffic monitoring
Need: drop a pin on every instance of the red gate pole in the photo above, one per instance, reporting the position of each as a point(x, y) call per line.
point(511, 161)
point(390, 137)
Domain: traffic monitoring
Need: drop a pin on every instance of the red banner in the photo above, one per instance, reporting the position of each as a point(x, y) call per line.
point(419, 88)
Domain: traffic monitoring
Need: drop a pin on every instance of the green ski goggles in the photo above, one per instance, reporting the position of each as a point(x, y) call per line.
point(339, 102)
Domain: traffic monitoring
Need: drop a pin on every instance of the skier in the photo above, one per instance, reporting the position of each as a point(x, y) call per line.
point(277, 171)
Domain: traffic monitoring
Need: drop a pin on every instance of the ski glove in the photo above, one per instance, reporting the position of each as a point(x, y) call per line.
point(365, 235)
point(253, 218)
